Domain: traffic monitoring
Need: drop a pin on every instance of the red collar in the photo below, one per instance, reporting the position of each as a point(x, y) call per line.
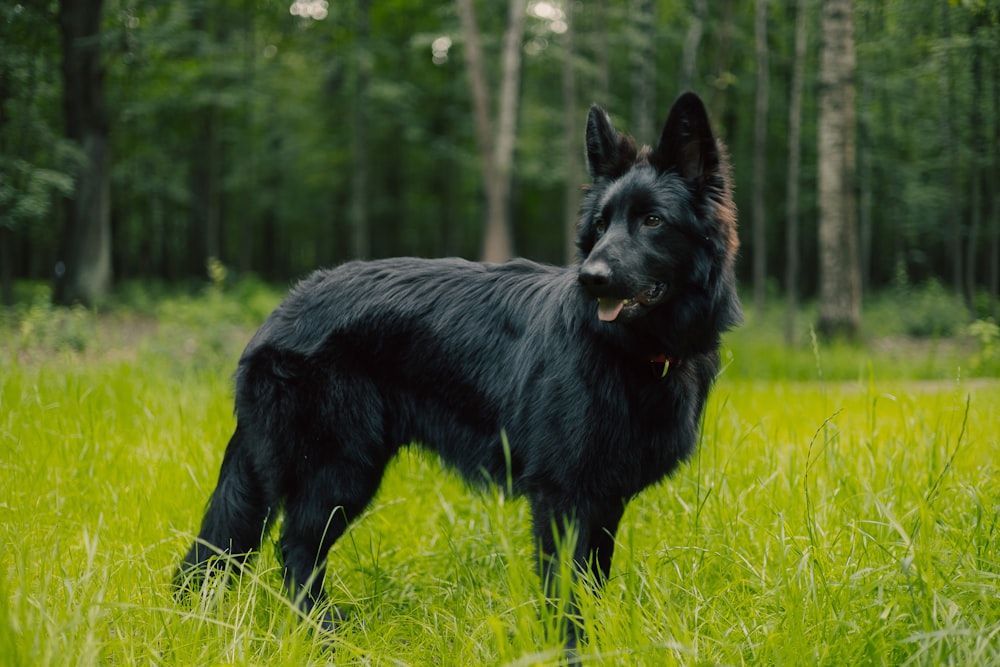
point(662, 363)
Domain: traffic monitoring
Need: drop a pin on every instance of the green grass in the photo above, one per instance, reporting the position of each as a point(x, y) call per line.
point(843, 509)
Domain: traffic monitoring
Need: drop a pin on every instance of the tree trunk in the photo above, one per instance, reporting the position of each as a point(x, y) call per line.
point(204, 233)
point(955, 222)
point(250, 187)
point(7, 226)
point(495, 152)
point(725, 36)
point(866, 213)
point(642, 57)
point(6, 266)
point(361, 243)
point(84, 270)
point(206, 188)
point(760, 159)
point(873, 25)
point(477, 85)
point(840, 275)
point(794, 166)
point(602, 53)
point(498, 245)
point(978, 176)
point(994, 198)
point(267, 235)
point(692, 41)
point(571, 188)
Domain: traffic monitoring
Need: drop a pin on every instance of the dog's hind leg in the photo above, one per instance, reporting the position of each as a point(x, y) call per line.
point(316, 514)
point(239, 513)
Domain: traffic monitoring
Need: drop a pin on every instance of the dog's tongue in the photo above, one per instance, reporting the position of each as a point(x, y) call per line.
point(608, 309)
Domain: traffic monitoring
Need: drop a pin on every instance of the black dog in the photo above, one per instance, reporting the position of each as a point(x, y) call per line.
point(597, 373)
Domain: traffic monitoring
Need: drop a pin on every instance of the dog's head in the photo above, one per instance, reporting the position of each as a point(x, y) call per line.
point(657, 232)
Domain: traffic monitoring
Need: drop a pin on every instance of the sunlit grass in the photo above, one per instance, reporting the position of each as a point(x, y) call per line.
point(831, 518)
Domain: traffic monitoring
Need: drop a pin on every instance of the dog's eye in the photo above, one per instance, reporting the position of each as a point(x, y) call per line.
point(652, 221)
point(599, 226)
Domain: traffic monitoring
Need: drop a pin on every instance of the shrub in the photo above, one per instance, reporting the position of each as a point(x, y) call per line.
point(987, 334)
point(39, 324)
point(926, 311)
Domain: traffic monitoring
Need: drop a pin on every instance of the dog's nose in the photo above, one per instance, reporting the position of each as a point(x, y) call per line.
point(595, 273)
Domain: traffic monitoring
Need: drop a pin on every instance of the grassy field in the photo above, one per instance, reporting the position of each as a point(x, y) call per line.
point(843, 509)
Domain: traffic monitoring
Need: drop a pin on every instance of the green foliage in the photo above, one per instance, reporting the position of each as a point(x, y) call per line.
point(987, 334)
point(232, 130)
point(216, 272)
point(917, 333)
point(924, 311)
point(38, 325)
point(36, 164)
point(27, 191)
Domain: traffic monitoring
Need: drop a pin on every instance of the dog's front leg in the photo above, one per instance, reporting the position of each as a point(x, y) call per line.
point(585, 529)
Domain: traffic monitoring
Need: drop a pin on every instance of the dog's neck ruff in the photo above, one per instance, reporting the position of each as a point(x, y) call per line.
point(661, 363)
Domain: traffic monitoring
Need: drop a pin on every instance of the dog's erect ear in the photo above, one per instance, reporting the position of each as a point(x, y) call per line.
point(609, 152)
point(687, 145)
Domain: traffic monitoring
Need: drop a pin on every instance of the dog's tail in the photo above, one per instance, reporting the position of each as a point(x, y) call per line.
point(238, 516)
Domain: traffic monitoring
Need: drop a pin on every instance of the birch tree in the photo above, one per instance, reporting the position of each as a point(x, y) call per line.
point(760, 158)
point(792, 254)
point(496, 147)
point(840, 272)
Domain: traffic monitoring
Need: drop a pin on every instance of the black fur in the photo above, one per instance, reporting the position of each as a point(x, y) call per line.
point(370, 356)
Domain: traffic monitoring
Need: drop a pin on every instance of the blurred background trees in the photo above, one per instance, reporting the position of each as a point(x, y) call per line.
point(282, 135)
point(83, 270)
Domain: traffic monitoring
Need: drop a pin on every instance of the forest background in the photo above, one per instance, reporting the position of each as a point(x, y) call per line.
point(149, 140)
point(174, 166)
